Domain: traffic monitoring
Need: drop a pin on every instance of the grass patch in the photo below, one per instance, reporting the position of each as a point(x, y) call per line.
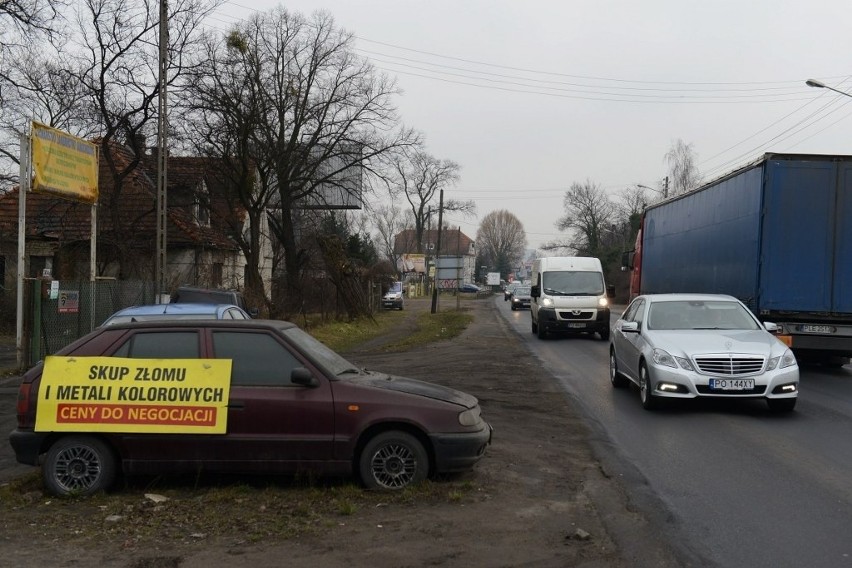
point(343, 336)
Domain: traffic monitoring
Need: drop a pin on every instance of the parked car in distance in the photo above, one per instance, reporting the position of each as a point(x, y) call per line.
point(161, 312)
point(468, 287)
point(294, 406)
point(700, 345)
point(394, 297)
point(507, 291)
point(520, 298)
point(190, 294)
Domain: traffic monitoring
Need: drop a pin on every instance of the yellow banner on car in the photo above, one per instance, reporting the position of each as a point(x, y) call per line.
point(64, 165)
point(114, 394)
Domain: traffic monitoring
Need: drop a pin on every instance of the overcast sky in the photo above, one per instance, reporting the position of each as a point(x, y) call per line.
point(530, 96)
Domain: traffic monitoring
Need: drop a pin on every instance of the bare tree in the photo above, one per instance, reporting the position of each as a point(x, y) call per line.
point(23, 23)
point(388, 221)
point(418, 177)
point(589, 214)
point(683, 167)
point(501, 241)
point(312, 117)
point(119, 57)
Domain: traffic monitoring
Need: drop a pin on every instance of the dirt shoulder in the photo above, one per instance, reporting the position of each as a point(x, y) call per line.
point(538, 498)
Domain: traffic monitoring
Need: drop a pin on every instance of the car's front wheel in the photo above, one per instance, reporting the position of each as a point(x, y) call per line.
point(646, 390)
point(615, 377)
point(79, 465)
point(393, 460)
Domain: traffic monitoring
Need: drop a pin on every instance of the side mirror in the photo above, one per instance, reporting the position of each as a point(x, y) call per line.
point(535, 291)
point(630, 326)
point(771, 327)
point(610, 291)
point(302, 376)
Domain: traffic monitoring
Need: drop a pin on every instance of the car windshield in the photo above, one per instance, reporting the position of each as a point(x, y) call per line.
point(396, 287)
point(573, 283)
point(522, 291)
point(704, 314)
point(319, 352)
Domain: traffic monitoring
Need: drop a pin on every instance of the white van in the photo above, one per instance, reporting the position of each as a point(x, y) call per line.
point(569, 294)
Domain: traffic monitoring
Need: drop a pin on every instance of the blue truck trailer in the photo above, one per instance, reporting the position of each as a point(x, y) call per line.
point(777, 234)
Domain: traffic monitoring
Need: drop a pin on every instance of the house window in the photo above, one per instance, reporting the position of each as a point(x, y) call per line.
point(200, 209)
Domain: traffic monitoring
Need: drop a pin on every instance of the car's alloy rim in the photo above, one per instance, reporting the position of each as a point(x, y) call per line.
point(77, 468)
point(394, 465)
point(643, 384)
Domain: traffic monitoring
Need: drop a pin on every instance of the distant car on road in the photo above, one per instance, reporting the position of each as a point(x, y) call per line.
point(292, 407)
point(394, 296)
point(468, 287)
point(700, 345)
point(161, 312)
point(520, 298)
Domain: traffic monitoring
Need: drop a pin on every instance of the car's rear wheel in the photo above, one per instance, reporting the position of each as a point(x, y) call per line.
point(79, 465)
point(646, 390)
point(615, 377)
point(393, 460)
point(781, 404)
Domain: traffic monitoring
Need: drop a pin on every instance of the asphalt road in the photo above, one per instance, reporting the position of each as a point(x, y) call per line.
point(731, 482)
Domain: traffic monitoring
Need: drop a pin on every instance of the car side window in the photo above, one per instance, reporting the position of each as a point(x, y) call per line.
point(258, 358)
point(161, 345)
point(631, 311)
point(639, 315)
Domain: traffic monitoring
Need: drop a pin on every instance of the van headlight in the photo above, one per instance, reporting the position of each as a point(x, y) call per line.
point(603, 302)
point(546, 302)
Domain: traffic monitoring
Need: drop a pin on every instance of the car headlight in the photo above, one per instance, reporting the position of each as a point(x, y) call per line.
point(603, 302)
point(663, 358)
point(546, 302)
point(684, 363)
point(470, 417)
point(785, 360)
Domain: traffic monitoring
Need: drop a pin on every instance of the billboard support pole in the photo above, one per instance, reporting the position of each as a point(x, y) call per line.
point(23, 188)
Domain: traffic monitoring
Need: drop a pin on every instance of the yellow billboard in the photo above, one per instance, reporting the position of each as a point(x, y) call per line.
point(114, 394)
point(64, 165)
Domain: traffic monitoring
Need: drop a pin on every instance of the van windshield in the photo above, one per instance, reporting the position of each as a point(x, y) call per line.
point(572, 283)
point(396, 287)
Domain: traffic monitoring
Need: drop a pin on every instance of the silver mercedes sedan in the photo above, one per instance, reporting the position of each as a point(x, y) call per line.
point(700, 345)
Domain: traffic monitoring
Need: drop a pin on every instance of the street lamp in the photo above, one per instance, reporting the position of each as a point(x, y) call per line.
point(821, 85)
point(664, 192)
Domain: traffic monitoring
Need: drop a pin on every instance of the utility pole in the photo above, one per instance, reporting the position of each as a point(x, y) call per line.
point(437, 254)
point(162, 159)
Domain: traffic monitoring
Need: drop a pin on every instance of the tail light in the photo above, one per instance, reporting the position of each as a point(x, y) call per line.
point(23, 404)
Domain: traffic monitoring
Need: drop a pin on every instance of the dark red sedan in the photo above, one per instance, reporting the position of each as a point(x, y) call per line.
point(290, 405)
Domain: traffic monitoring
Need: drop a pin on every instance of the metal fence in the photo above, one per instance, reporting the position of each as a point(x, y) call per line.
point(58, 313)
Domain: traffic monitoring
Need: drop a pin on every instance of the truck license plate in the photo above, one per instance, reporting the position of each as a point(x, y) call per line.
point(818, 328)
point(731, 384)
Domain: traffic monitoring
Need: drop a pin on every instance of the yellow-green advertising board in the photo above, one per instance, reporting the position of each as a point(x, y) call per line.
point(114, 394)
point(64, 165)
